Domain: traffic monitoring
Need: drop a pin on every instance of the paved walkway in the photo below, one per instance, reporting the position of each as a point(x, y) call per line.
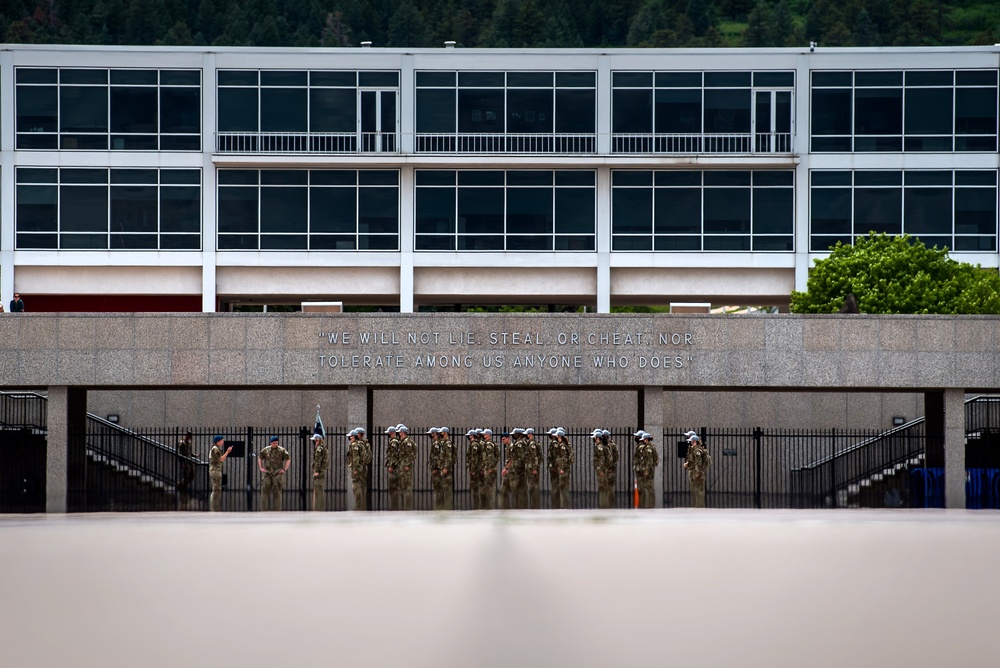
point(651, 588)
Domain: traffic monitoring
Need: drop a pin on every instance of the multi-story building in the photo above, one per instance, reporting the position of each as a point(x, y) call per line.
point(192, 179)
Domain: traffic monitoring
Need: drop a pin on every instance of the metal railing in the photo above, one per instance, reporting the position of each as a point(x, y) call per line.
point(739, 143)
point(583, 480)
point(23, 410)
point(306, 142)
point(558, 143)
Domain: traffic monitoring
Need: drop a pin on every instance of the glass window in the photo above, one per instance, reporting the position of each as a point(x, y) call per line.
point(238, 209)
point(575, 211)
point(678, 211)
point(134, 209)
point(678, 110)
point(529, 211)
point(83, 109)
point(480, 111)
point(878, 210)
point(283, 110)
point(83, 208)
point(727, 111)
point(529, 111)
point(134, 110)
point(435, 110)
point(632, 211)
point(576, 111)
point(480, 210)
point(180, 110)
point(283, 210)
point(333, 210)
point(180, 209)
point(238, 110)
point(632, 111)
point(727, 211)
point(927, 211)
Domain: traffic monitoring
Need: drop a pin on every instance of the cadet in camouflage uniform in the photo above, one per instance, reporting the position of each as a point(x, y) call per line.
point(532, 468)
point(406, 460)
point(273, 461)
point(359, 456)
point(186, 470)
point(321, 463)
point(560, 457)
point(392, 467)
point(696, 464)
point(612, 463)
point(488, 464)
point(645, 462)
point(473, 464)
point(449, 457)
point(441, 459)
point(215, 459)
point(514, 469)
point(602, 468)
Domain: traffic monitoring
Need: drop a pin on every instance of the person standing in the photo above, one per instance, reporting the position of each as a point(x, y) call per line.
point(185, 470)
point(17, 304)
point(473, 464)
point(441, 459)
point(273, 461)
point(488, 466)
point(321, 463)
point(560, 458)
point(646, 460)
point(696, 463)
point(358, 458)
point(392, 468)
point(602, 468)
point(514, 470)
point(532, 468)
point(215, 459)
point(613, 455)
point(407, 459)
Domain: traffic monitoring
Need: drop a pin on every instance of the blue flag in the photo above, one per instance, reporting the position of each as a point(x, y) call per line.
point(319, 431)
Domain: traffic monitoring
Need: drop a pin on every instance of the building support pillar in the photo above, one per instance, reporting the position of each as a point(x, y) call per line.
point(954, 449)
point(651, 420)
point(357, 415)
point(66, 426)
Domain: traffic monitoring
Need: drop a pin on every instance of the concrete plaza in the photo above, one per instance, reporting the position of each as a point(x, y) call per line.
point(625, 588)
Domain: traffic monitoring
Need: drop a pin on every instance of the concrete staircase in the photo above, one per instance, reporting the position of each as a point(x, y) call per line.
point(890, 488)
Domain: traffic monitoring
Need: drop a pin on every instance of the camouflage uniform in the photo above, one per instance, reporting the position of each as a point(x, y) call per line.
point(442, 460)
point(392, 465)
point(321, 463)
point(532, 471)
point(645, 462)
point(406, 459)
point(488, 478)
point(697, 462)
point(215, 476)
point(516, 472)
point(604, 469)
point(186, 470)
point(359, 456)
point(474, 465)
point(613, 455)
point(272, 459)
point(560, 458)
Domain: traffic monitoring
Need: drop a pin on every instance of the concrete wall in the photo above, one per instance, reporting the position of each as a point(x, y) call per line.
point(579, 408)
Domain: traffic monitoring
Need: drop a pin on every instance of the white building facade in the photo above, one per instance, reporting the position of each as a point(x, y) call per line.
point(195, 179)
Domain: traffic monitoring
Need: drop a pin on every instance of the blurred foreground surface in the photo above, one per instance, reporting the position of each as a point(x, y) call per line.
point(677, 587)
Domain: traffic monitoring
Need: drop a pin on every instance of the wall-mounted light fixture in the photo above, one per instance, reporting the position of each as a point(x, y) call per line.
point(898, 420)
point(113, 418)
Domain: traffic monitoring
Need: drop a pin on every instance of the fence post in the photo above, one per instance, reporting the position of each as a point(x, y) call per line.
point(304, 433)
point(756, 462)
point(248, 456)
point(833, 467)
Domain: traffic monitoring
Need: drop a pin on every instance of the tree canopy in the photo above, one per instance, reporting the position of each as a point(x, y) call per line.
point(502, 23)
point(897, 275)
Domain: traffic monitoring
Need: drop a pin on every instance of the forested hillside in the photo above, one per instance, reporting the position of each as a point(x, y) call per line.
point(503, 23)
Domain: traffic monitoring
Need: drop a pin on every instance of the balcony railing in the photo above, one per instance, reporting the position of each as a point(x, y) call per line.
point(306, 142)
point(356, 143)
point(562, 144)
point(740, 143)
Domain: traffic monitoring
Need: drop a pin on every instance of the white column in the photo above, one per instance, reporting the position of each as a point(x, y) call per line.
point(800, 145)
point(7, 177)
point(406, 225)
point(209, 225)
point(652, 407)
point(954, 448)
point(407, 94)
point(603, 267)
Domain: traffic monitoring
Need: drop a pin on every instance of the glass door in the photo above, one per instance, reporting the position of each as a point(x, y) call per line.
point(772, 122)
point(378, 119)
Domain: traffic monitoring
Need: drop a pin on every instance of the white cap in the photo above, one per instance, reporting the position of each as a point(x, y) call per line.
point(560, 431)
point(433, 430)
point(596, 433)
point(390, 429)
point(639, 433)
point(529, 430)
point(471, 432)
point(552, 432)
point(692, 436)
point(444, 430)
point(605, 432)
point(487, 431)
point(402, 427)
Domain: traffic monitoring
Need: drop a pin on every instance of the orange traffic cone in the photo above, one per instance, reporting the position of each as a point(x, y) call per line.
point(635, 493)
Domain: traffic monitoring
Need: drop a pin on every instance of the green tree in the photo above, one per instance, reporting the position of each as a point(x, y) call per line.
point(865, 31)
point(897, 275)
point(760, 24)
point(406, 27)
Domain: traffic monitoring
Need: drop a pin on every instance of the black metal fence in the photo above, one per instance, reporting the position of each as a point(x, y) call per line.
point(141, 469)
point(23, 410)
point(583, 480)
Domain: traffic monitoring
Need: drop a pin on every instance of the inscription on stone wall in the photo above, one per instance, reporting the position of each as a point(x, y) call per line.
point(511, 349)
